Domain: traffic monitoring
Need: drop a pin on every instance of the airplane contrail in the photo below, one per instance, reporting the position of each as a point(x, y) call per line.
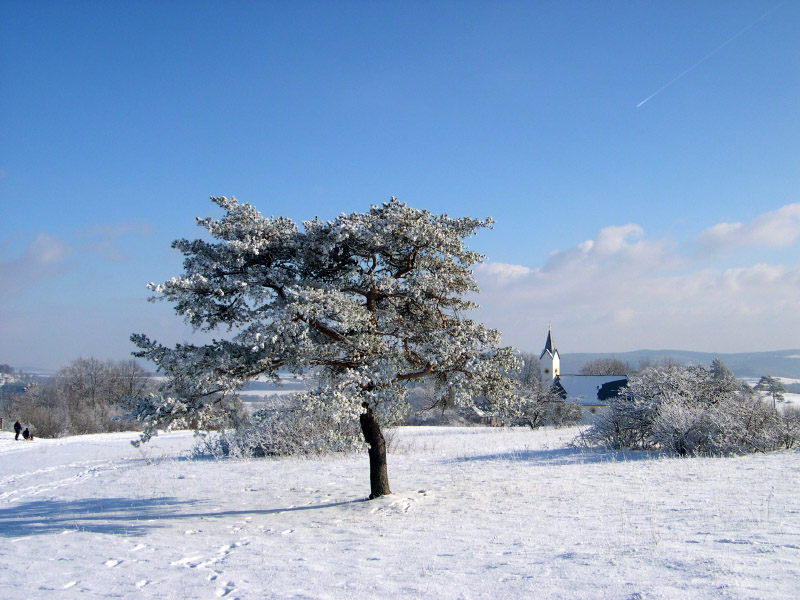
point(712, 53)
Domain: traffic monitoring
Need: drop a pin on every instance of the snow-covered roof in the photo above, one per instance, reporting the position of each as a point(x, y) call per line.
point(590, 389)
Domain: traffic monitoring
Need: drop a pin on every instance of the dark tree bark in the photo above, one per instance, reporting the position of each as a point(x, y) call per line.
point(378, 473)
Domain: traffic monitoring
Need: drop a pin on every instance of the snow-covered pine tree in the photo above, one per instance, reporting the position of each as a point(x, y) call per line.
point(373, 299)
point(772, 386)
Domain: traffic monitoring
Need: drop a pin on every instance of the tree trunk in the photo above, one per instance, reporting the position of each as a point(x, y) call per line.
point(378, 474)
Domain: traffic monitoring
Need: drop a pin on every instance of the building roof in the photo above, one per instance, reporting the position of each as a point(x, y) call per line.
point(549, 347)
point(589, 389)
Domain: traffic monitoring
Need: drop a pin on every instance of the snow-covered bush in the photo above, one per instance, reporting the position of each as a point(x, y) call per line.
point(304, 426)
point(563, 413)
point(537, 410)
point(789, 426)
point(535, 403)
point(688, 410)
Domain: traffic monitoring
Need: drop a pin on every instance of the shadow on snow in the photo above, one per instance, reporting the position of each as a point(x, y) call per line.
point(121, 516)
point(563, 456)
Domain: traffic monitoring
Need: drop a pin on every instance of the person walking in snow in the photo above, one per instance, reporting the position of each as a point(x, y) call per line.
point(17, 429)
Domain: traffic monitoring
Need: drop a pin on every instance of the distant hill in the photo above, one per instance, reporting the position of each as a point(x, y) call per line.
point(779, 363)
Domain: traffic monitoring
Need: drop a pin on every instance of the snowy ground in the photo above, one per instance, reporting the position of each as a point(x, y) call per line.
point(790, 399)
point(477, 513)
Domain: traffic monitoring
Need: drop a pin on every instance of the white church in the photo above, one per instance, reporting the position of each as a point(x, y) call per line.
point(590, 392)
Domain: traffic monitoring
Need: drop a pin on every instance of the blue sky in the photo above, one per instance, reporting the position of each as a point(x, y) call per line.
point(674, 224)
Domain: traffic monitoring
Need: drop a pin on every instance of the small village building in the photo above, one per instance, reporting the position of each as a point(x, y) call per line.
point(590, 392)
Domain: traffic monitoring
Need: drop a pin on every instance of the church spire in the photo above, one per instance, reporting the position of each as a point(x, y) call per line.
point(549, 359)
point(548, 345)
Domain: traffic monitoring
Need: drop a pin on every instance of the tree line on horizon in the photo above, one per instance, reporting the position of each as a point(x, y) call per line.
point(80, 398)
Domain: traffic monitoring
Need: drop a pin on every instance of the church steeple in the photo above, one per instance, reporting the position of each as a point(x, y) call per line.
point(548, 345)
point(549, 359)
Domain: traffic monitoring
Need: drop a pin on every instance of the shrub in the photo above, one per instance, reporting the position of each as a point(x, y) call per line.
point(534, 402)
point(789, 426)
point(301, 427)
point(690, 410)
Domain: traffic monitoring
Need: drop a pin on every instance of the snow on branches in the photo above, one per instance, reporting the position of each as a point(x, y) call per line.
point(692, 410)
point(373, 299)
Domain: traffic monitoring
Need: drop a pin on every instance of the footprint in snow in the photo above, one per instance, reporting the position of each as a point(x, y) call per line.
point(141, 583)
point(399, 505)
point(225, 590)
point(189, 561)
point(112, 562)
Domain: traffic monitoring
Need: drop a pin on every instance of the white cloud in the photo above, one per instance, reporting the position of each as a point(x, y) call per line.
point(737, 279)
point(46, 257)
point(624, 315)
point(623, 291)
point(614, 247)
point(502, 272)
point(45, 249)
point(777, 228)
point(612, 240)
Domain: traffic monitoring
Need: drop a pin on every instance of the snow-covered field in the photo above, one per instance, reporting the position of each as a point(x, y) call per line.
point(790, 399)
point(477, 513)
